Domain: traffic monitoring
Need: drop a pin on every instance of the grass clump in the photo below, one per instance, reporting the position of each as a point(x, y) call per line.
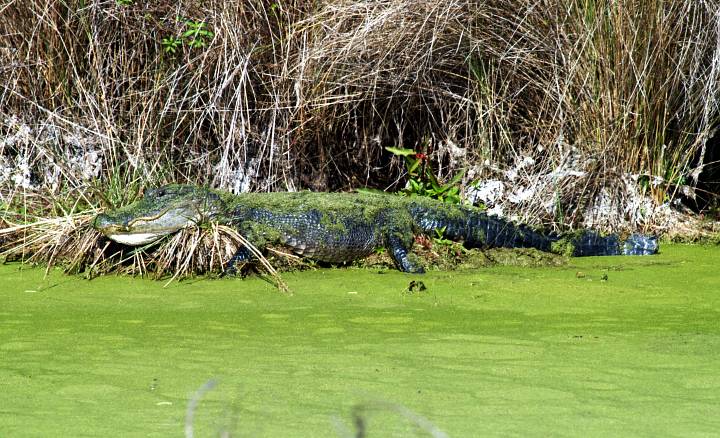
point(68, 239)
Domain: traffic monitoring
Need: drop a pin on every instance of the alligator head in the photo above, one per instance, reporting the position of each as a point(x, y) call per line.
point(161, 211)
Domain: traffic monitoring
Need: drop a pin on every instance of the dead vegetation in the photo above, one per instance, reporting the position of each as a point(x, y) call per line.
point(580, 107)
point(307, 94)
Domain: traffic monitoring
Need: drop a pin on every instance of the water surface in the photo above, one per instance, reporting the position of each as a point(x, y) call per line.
point(502, 351)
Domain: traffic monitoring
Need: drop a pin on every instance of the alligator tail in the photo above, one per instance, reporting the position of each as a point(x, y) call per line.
point(483, 230)
point(478, 229)
point(592, 243)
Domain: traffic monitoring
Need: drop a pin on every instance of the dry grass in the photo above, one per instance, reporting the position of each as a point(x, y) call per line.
point(306, 94)
point(70, 239)
point(198, 250)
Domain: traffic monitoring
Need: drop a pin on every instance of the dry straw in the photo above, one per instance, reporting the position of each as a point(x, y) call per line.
point(307, 94)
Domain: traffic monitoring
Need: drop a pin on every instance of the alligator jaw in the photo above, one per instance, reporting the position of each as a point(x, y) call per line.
point(135, 239)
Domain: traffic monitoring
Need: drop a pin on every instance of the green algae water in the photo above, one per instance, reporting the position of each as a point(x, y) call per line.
point(605, 346)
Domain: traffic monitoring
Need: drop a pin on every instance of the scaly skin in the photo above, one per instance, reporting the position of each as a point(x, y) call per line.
point(341, 227)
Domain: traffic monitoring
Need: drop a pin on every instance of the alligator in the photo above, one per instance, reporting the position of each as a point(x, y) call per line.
point(341, 227)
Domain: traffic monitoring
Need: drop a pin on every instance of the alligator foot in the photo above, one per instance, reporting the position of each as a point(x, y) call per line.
point(241, 255)
point(404, 259)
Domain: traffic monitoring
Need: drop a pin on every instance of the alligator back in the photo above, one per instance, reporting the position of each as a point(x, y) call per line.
point(331, 227)
point(321, 235)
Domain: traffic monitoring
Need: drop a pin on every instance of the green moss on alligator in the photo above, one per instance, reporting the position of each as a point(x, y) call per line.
point(341, 227)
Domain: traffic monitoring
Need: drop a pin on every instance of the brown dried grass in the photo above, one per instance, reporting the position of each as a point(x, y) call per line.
point(306, 94)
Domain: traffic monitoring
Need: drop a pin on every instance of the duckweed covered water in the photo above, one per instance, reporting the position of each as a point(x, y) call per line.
point(511, 351)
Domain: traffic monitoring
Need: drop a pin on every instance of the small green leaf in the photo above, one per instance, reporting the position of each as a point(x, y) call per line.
point(436, 187)
point(402, 152)
point(415, 164)
point(457, 178)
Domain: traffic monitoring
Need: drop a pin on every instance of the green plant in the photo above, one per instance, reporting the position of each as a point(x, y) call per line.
point(196, 34)
point(440, 238)
point(171, 44)
point(422, 180)
point(662, 189)
point(124, 2)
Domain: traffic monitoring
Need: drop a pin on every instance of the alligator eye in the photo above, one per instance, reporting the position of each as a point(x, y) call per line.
point(155, 193)
point(159, 192)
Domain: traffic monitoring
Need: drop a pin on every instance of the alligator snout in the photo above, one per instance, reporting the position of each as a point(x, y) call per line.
point(104, 221)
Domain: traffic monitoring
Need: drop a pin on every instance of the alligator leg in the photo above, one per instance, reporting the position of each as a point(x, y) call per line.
point(404, 259)
point(241, 255)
